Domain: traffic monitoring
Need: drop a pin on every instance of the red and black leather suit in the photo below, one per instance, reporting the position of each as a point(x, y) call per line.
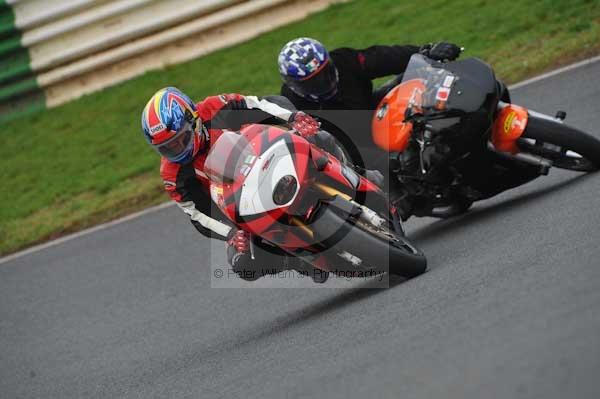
point(188, 185)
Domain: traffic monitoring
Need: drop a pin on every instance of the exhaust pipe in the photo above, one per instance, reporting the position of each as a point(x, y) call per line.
point(540, 162)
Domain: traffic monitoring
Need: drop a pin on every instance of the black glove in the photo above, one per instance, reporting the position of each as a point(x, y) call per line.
point(441, 51)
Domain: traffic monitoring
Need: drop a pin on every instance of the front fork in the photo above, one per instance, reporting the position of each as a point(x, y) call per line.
point(251, 246)
point(365, 214)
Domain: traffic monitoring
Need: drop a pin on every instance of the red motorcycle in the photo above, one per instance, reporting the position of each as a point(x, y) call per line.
point(454, 138)
point(278, 186)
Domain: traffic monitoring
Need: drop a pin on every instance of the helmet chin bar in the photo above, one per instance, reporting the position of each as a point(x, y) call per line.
point(186, 156)
point(334, 89)
point(329, 95)
point(327, 78)
point(317, 98)
point(198, 140)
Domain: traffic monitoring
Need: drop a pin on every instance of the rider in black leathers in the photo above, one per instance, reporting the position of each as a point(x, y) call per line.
point(316, 81)
point(326, 83)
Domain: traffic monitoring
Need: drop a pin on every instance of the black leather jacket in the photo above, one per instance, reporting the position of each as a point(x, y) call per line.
point(356, 70)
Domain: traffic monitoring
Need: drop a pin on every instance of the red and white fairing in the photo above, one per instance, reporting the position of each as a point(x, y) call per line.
point(268, 181)
point(245, 168)
point(256, 196)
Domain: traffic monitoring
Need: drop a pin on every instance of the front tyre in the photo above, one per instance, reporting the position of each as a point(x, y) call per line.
point(378, 249)
point(567, 147)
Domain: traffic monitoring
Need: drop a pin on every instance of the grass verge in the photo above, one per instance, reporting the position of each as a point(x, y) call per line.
point(85, 162)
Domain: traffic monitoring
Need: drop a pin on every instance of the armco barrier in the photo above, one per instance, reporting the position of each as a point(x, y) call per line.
point(46, 45)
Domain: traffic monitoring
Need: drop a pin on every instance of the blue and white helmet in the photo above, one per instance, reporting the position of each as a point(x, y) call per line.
point(307, 69)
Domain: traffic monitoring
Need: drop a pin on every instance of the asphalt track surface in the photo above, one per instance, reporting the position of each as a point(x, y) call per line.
point(510, 307)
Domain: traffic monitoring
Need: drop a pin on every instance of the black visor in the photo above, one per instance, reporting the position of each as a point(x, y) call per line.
point(321, 85)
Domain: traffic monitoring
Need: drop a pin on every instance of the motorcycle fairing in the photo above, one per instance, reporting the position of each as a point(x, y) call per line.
point(257, 193)
point(509, 125)
point(340, 174)
point(447, 90)
point(389, 130)
point(474, 87)
point(267, 153)
point(258, 157)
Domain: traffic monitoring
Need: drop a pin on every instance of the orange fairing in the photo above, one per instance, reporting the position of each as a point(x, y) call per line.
point(508, 127)
point(389, 131)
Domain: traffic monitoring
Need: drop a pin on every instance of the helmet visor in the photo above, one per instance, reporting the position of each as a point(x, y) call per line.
point(178, 145)
point(321, 85)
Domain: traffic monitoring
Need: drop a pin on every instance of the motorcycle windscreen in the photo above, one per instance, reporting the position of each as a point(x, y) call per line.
point(424, 89)
point(437, 84)
point(230, 157)
point(462, 86)
point(431, 88)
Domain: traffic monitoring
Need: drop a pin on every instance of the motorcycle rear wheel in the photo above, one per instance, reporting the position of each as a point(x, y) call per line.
point(567, 147)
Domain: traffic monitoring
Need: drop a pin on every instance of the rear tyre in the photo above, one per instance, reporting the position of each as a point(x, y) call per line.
point(567, 147)
point(380, 250)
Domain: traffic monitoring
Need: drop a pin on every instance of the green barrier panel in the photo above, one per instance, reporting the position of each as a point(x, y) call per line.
point(23, 106)
point(7, 20)
point(18, 88)
point(14, 66)
point(10, 44)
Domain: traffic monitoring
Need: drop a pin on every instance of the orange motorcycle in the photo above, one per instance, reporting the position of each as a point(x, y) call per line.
point(453, 138)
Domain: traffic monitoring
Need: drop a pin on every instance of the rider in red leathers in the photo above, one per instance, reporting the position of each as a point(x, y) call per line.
point(182, 133)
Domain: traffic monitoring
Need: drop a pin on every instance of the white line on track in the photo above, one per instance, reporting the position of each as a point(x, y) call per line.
point(165, 205)
point(555, 72)
point(86, 232)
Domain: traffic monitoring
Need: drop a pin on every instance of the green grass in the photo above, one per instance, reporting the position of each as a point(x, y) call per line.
point(86, 161)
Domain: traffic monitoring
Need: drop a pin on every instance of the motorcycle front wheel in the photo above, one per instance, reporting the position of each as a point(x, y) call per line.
point(566, 147)
point(378, 249)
